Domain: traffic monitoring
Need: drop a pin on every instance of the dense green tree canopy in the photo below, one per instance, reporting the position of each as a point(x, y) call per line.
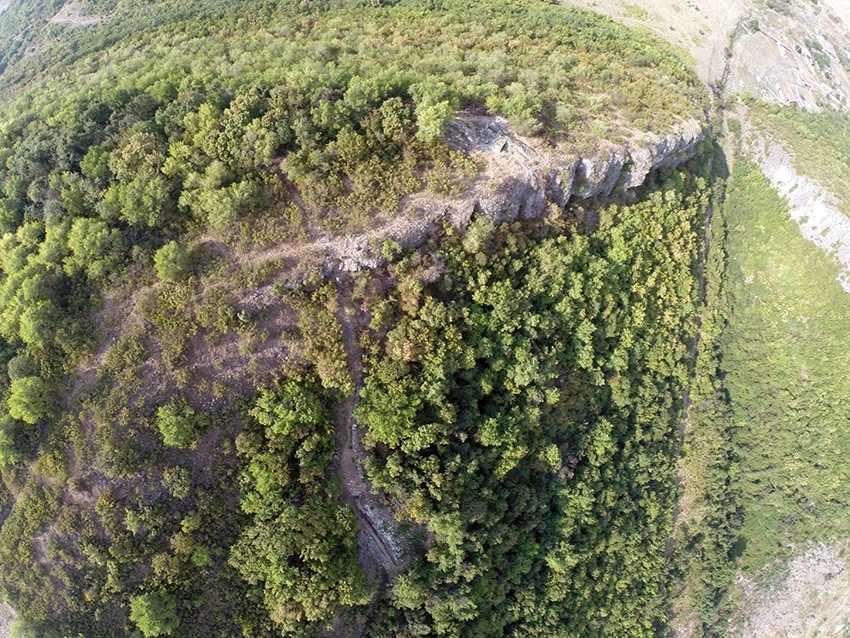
point(30, 399)
point(155, 614)
point(529, 402)
point(518, 386)
point(170, 261)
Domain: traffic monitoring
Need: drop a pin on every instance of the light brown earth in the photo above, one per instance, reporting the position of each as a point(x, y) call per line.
point(841, 8)
point(772, 60)
point(766, 60)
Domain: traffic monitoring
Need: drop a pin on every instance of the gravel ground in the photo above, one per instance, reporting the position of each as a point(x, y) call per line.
point(812, 600)
point(7, 615)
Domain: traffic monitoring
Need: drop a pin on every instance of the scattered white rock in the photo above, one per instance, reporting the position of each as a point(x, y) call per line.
point(812, 600)
point(811, 206)
point(7, 617)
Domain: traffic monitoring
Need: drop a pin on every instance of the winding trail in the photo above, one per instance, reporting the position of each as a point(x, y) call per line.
point(375, 524)
point(419, 214)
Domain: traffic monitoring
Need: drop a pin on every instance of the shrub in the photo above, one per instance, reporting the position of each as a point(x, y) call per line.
point(21, 366)
point(155, 614)
point(178, 481)
point(176, 425)
point(31, 399)
point(170, 261)
point(96, 248)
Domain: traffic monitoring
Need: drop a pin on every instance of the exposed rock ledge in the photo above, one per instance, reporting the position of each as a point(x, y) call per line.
point(522, 174)
point(814, 209)
point(518, 179)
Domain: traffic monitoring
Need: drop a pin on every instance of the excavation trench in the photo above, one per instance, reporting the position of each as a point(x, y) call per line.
point(377, 530)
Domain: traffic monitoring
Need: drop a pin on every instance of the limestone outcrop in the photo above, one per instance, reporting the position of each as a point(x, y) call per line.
point(518, 179)
point(520, 175)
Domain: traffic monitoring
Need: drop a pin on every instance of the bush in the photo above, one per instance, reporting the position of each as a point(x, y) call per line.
point(20, 628)
point(9, 433)
point(432, 120)
point(170, 261)
point(178, 481)
point(176, 424)
point(96, 248)
point(155, 614)
point(21, 366)
point(31, 399)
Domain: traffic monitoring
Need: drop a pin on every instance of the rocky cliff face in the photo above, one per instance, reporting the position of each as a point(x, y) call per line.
point(521, 175)
point(810, 205)
point(519, 178)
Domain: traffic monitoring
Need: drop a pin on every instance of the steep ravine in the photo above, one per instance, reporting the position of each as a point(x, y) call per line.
point(377, 536)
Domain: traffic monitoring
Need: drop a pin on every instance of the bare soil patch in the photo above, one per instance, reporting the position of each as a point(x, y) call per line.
point(792, 58)
point(841, 9)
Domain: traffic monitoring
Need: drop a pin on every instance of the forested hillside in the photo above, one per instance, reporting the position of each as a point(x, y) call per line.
point(525, 408)
point(181, 370)
point(790, 402)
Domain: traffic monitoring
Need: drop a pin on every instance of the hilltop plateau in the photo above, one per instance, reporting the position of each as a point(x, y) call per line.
point(340, 318)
